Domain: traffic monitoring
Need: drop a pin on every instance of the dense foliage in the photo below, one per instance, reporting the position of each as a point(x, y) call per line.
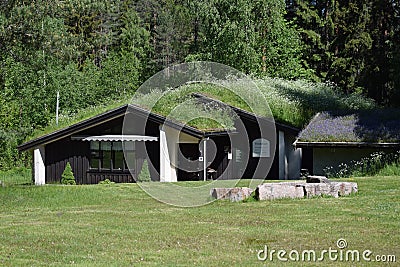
point(94, 52)
point(376, 164)
point(67, 177)
point(352, 43)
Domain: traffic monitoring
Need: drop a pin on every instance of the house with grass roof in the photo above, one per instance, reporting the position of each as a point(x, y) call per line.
point(338, 137)
point(100, 146)
point(116, 143)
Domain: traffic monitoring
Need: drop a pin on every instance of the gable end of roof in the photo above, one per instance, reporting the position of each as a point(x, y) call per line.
point(104, 117)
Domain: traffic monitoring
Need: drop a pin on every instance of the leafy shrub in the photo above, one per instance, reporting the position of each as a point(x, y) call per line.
point(9, 155)
point(106, 181)
point(16, 176)
point(378, 163)
point(251, 198)
point(67, 176)
point(390, 170)
point(144, 175)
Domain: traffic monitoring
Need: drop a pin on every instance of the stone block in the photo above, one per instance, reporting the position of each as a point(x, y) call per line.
point(233, 194)
point(346, 188)
point(279, 190)
point(270, 191)
point(335, 189)
point(315, 189)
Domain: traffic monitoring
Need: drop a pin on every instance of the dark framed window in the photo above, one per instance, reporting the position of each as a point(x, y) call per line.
point(107, 155)
point(130, 156)
point(95, 155)
point(118, 156)
point(110, 156)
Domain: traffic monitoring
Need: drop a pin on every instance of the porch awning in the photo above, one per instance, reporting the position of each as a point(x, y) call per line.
point(119, 138)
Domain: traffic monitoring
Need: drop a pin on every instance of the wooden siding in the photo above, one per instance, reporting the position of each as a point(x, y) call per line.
point(94, 177)
point(63, 151)
point(252, 132)
point(77, 153)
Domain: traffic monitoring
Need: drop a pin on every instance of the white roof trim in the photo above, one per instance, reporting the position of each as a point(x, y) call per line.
point(121, 138)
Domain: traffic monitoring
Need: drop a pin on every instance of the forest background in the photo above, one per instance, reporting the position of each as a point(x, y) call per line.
point(93, 52)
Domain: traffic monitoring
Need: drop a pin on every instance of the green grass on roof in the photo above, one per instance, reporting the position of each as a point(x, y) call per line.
point(377, 126)
point(84, 114)
point(291, 102)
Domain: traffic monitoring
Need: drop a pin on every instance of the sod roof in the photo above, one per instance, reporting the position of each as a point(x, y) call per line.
point(292, 103)
point(378, 126)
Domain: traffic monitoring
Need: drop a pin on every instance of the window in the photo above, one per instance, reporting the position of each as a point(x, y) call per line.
point(118, 156)
point(95, 155)
point(261, 148)
point(130, 155)
point(106, 149)
point(110, 155)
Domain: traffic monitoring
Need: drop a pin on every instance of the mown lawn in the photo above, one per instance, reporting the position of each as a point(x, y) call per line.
point(120, 225)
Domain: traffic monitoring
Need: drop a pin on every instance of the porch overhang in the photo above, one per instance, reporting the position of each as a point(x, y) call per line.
point(116, 138)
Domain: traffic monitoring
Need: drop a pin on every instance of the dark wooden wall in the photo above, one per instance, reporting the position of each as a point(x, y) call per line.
point(77, 153)
point(258, 167)
point(63, 151)
point(227, 169)
point(94, 177)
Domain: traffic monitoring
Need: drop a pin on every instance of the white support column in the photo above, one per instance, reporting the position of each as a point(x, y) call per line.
point(205, 159)
point(283, 164)
point(167, 150)
point(39, 168)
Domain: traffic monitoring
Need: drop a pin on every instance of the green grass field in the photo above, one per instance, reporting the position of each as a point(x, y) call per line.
point(119, 225)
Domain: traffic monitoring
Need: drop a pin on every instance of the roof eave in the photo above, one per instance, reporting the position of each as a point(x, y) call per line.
point(219, 133)
point(302, 144)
